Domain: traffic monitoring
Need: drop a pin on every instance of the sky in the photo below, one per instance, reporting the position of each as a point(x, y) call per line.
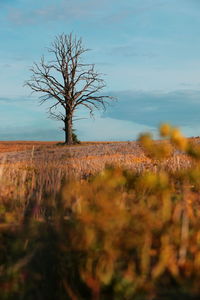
point(149, 51)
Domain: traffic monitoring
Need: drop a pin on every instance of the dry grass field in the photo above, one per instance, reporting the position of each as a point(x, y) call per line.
point(39, 167)
point(129, 154)
point(100, 221)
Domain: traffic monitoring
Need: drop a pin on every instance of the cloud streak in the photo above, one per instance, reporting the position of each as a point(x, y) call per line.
point(62, 10)
point(77, 9)
point(137, 8)
point(130, 51)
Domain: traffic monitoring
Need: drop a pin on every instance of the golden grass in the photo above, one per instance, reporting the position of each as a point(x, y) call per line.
point(10, 146)
point(39, 170)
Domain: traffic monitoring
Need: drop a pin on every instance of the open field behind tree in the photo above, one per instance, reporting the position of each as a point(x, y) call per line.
point(85, 159)
point(34, 169)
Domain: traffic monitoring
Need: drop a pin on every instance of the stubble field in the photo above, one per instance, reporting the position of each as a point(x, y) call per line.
point(45, 164)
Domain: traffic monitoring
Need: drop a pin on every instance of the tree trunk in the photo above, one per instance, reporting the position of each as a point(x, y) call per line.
point(68, 130)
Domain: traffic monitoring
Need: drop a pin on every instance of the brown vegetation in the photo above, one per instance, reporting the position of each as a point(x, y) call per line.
point(131, 231)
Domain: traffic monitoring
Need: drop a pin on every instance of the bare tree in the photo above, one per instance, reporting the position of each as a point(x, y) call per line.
point(67, 81)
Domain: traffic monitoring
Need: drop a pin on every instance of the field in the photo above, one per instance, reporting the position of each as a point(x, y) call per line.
point(85, 159)
point(52, 162)
point(100, 220)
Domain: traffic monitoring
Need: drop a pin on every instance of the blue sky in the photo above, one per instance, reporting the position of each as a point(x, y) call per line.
point(148, 49)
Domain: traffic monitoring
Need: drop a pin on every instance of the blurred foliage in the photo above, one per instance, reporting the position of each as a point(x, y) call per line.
point(118, 235)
